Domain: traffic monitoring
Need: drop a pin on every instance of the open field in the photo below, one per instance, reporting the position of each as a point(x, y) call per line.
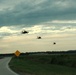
point(44, 64)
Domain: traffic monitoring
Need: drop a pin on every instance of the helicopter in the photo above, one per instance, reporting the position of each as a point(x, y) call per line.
point(24, 32)
point(38, 37)
point(54, 43)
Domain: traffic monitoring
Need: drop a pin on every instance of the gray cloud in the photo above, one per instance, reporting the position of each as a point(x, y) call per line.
point(37, 11)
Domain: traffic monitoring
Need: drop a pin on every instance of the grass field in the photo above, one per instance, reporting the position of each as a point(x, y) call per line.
point(44, 64)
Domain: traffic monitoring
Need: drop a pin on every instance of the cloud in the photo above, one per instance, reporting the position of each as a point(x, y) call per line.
point(38, 30)
point(34, 12)
point(30, 43)
point(63, 21)
point(53, 20)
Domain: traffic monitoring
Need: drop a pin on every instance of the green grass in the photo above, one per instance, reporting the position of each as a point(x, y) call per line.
point(45, 64)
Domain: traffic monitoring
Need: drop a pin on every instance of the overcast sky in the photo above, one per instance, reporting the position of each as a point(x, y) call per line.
point(53, 20)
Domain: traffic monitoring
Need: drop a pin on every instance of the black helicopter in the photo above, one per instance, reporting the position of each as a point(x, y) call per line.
point(38, 37)
point(54, 43)
point(24, 32)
